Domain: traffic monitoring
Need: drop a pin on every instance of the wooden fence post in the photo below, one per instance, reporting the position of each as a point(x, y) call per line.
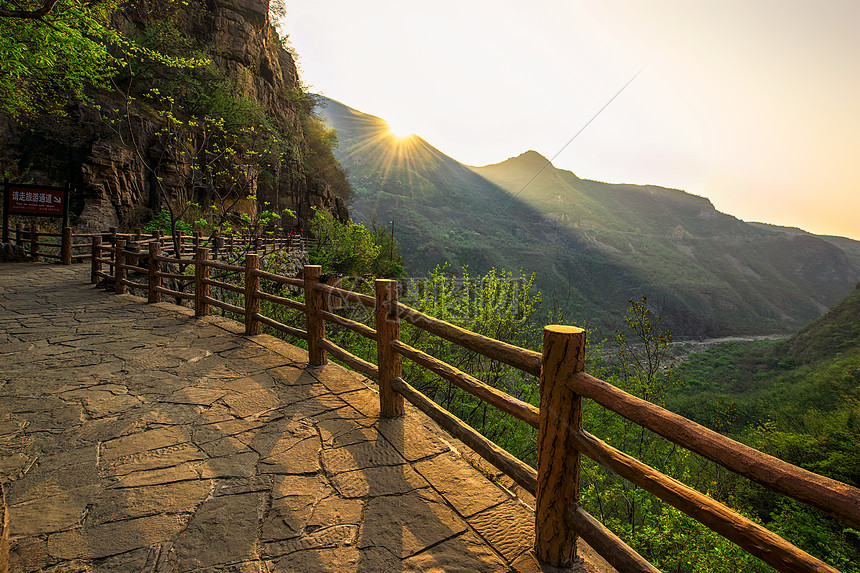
point(112, 240)
point(66, 246)
point(558, 459)
point(252, 301)
point(154, 277)
point(96, 264)
point(135, 249)
point(389, 361)
point(201, 288)
point(315, 324)
point(19, 234)
point(119, 270)
point(216, 244)
point(34, 242)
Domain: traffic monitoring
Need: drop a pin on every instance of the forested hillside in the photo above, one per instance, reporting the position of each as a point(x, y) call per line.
point(593, 246)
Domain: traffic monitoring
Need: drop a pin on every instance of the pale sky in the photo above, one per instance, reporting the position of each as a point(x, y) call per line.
point(754, 104)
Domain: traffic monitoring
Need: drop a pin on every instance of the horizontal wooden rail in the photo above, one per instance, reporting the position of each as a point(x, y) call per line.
point(283, 301)
point(753, 538)
point(830, 496)
point(132, 284)
point(174, 260)
point(620, 555)
point(175, 293)
point(526, 360)
point(504, 402)
point(136, 269)
point(521, 473)
point(223, 305)
point(104, 275)
point(298, 333)
point(279, 279)
point(47, 256)
point(224, 266)
point(353, 361)
point(175, 276)
point(82, 256)
point(225, 286)
point(349, 295)
point(352, 325)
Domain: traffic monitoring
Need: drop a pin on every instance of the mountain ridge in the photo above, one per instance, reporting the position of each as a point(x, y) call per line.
point(592, 245)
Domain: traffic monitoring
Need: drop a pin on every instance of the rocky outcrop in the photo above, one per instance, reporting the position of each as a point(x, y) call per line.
point(117, 174)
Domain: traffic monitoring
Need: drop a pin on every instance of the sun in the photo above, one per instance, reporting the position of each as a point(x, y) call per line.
point(398, 130)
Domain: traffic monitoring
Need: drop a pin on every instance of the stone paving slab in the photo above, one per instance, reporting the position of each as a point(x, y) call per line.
point(135, 437)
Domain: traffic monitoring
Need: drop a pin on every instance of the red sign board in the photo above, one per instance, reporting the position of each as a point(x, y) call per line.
point(38, 201)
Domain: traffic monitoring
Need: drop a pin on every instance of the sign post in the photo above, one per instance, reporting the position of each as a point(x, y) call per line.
point(35, 201)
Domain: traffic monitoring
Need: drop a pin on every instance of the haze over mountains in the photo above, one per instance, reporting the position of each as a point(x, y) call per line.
point(592, 245)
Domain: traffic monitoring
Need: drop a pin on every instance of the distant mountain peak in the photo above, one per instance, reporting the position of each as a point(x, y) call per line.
point(527, 164)
point(528, 158)
point(531, 154)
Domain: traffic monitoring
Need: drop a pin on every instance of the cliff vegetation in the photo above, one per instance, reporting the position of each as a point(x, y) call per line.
point(191, 106)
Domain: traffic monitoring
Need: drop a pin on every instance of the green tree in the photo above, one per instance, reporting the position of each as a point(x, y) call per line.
point(351, 248)
point(54, 52)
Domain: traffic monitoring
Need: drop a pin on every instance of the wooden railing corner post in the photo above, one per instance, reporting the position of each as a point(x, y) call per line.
point(252, 301)
point(315, 326)
point(389, 361)
point(95, 261)
point(119, 269)
point(201, 287)
point(558, 459)
point(154, 276)
point(66, 246)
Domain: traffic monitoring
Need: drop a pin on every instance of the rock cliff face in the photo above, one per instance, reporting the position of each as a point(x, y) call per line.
point(115, 173)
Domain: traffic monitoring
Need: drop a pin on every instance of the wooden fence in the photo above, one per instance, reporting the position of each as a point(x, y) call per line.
point(41, 245)
point(562, 441)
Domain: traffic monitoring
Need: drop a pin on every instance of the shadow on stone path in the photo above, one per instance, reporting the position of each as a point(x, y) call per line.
point(135, 437)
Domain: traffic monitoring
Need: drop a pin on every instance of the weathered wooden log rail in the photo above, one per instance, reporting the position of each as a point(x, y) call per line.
point(62, 247)
point(559, 518)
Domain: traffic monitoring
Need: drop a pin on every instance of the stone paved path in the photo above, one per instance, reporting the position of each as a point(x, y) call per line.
point(135, 437)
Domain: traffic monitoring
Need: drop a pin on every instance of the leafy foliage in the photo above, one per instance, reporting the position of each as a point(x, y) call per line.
point(798, 400)
point(50, 61)
point(353, 249)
